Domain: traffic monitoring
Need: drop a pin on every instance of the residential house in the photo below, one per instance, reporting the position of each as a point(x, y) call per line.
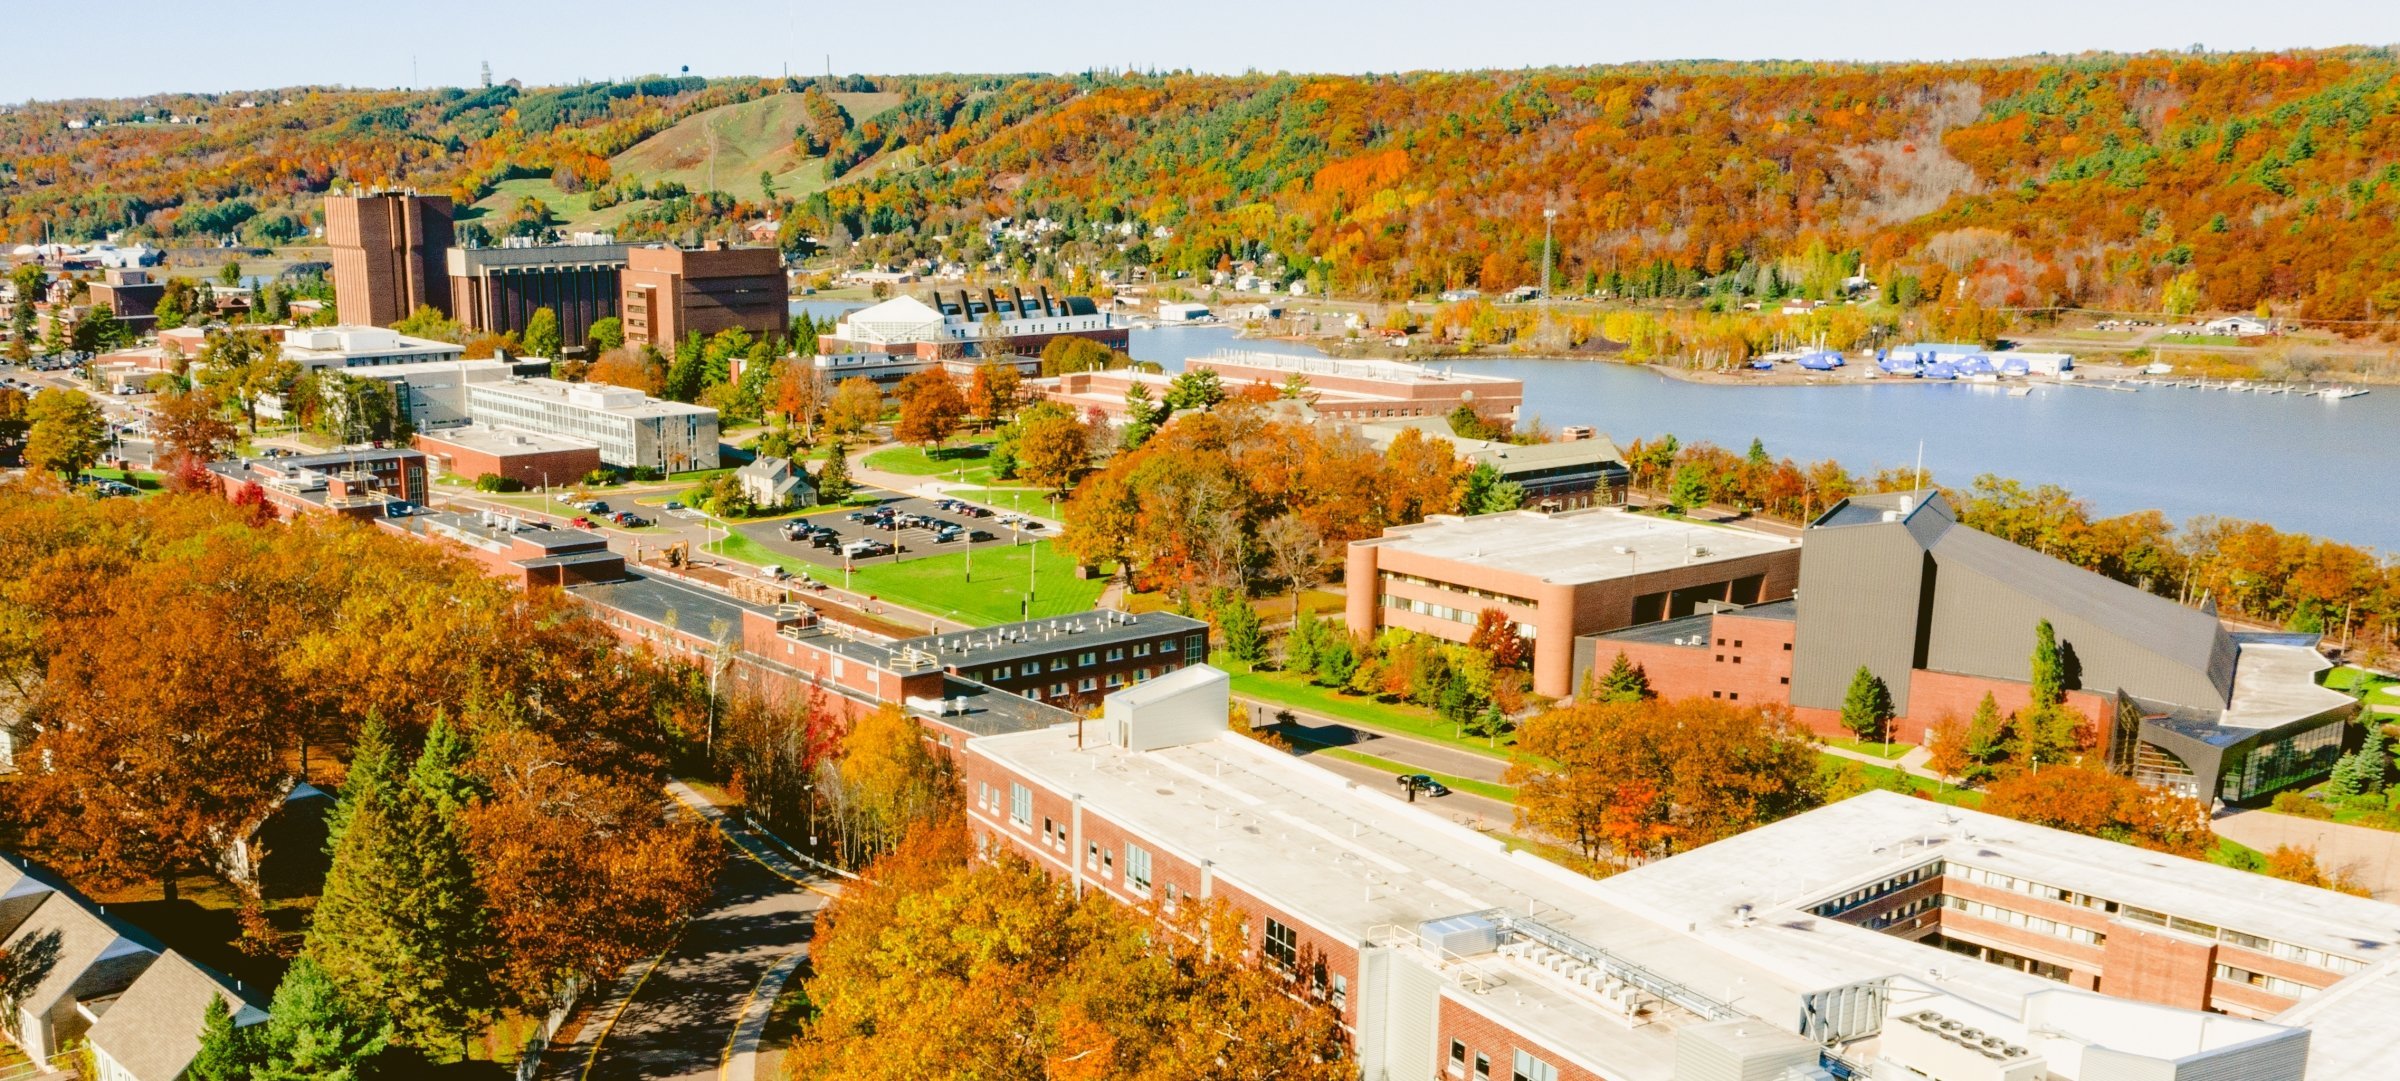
point(773, 484)
point(152, 1031)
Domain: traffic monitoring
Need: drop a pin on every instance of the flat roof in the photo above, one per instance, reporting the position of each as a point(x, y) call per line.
point(1385, 371)
point(1589, 545)
point(559, 391)
point(505, 441)
point(1362, 866)
point(652, 598)
point(2275, 683)
point(1008, 642)
point(1783, 868)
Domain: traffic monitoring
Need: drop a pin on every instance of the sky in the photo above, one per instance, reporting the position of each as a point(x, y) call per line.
point(261, 44)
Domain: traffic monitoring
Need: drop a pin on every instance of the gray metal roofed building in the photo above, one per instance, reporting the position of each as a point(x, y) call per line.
point(152, 1031)
point(1894, 582)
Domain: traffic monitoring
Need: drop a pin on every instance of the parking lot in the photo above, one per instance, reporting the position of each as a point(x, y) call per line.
point(914, 541)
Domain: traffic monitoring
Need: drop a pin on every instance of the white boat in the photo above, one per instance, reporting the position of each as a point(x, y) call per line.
point(2158, 368)
point(2020, 392)
point(2335, 394)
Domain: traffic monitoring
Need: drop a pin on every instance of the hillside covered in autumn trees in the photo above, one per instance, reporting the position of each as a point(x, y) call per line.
point(2122, 182)
point(2095, 182)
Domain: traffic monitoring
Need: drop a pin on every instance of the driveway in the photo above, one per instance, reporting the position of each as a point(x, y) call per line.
point(698, 1014)
point(2371, 854)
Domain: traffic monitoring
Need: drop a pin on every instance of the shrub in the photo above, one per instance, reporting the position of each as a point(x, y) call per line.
point(494, 482)
point(2296, 803)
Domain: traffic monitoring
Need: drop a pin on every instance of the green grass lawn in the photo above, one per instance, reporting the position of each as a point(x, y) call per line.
point(937, 462)
point(1401, 718)
point(1939, 792)
point(1034, 501)
point(2198, 339)
point(938, 585)
point(1869, 747)
point(2382, 690)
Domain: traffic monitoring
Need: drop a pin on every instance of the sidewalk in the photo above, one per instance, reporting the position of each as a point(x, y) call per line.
point(1912, 763)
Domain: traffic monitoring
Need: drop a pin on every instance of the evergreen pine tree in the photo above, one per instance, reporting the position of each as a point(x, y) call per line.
point(1987, 736)
point(399, 928)
point(312, 1032)
point(1239, 629)
point(1625, 681)
point(445, 946)
point(1301, 645)
point(226, 1053)
point(833, 478)
point(2375, 758)
point(2049, 671)
point(1867, 706)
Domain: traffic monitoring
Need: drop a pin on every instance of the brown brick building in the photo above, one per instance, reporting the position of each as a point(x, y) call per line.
point(389, 254)
point(531, 459)
point(497, 290)
point(1558, 576)
point(673, 292)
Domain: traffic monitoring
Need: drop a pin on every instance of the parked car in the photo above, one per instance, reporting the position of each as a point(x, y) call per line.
point(978, 536)
point(947, 534)
point(581, 523)
point(636, 521)
point(1422, 783)
point(596, 507)
point(674, 505)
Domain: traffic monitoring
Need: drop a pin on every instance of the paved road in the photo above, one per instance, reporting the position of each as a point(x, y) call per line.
point(698, 1014)
point(1306, 727)
point(1465, 808)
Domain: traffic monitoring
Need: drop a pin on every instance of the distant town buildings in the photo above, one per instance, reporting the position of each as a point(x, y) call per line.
point(668, 293)
point(388, 254)
point(889, 341)
point(1368, 390)
point(497, 290)
point(1560, 475)
point(630, 429)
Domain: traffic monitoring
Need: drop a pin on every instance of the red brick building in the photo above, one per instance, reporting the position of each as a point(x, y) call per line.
point(389, 254)
point(529, 458)
point(1558, 576)
point(1864, 936)
point(363, 484)
point(672, 292)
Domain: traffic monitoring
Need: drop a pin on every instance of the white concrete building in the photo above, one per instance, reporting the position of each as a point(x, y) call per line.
point(632, 429)
point(359, 347)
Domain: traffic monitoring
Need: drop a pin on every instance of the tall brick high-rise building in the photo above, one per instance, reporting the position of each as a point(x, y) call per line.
point(389, 252)
point(671, 292)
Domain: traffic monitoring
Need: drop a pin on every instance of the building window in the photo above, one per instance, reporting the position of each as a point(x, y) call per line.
point(1141, 649)
point(1167, 646)
point(1458, 1058)
point(1058, 664)
point(1116, 679)
point(1529, 1068)
point(1137, 868)
point(1116, 654)
point(1020, 804)
point(1283, 945)
point(1195, 643)
point(1086, 659)
point(1785, 680)
point(1087, 685)
point(1483, 1067)
point(1058, 690)
point(1032, 668)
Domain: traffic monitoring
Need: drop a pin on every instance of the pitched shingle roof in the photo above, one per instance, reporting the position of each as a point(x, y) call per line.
point(153, 1029)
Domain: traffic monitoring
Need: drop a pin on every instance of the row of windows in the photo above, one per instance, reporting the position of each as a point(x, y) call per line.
point(1444, 611)
point(1085, 659)
point(2286, 950)
point(1838, 905)
point(1522, 1066)
point(2270, 984)
point(2036, 924)
point(1388, 577)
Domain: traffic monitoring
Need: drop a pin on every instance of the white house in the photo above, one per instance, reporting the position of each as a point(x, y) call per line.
point(773, 484)
point(2240, 326)
point(1169, 312)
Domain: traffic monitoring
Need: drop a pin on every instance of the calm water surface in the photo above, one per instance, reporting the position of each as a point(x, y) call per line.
point(2328, 468)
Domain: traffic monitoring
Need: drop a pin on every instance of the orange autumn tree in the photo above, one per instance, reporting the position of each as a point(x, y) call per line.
point(2086, 798)
point(1652, 777)
point(940, 965)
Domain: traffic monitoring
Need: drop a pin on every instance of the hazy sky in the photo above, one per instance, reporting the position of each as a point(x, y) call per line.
point(61, 52)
